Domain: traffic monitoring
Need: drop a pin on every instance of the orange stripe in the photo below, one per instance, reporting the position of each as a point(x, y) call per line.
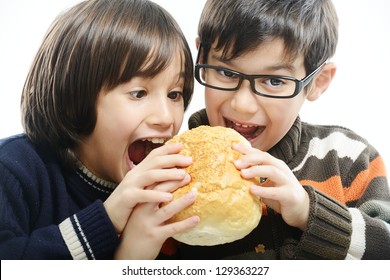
point(331, 187)
point(334, 188)
point(264, 211)
point(363, 179)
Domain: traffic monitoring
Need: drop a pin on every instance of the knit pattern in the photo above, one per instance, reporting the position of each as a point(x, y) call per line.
point(47, 212)
point(349, 217)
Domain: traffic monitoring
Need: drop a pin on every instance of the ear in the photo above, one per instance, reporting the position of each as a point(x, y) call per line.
point(321, 83)
point(199, 56)
point(197, 43)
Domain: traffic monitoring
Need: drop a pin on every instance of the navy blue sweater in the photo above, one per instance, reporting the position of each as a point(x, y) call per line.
point(47, 212)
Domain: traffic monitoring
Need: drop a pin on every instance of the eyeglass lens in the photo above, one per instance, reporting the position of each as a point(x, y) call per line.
point(229, 80)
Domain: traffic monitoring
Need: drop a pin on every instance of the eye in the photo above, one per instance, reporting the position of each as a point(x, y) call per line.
point(227, 74)
point(275, 82)
point(138, 94)
point(175, 95)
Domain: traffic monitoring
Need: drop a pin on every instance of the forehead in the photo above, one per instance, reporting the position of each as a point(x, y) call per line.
point(269, 55)
point(159, 58)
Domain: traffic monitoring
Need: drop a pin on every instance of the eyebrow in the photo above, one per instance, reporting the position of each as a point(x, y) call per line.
point(281, 66)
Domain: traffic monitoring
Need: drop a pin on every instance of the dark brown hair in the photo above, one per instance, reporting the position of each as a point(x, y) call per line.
point(307, 27)
point(94, 45)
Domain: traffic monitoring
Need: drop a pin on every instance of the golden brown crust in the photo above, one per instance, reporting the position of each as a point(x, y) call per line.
point(226, 209)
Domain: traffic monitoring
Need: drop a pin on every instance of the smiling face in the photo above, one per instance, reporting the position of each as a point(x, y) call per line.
point(132, 119)
point(262, 120)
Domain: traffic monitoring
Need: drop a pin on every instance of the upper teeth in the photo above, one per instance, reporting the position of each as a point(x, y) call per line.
point(244, 125)
point(155, 140)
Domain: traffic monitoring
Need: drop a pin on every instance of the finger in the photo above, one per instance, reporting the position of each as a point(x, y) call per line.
point(169, 161)
point(252, 156)
point(257, 158)
point(169, 210)
point(246, 150)
point(242, 148)
point(264, 172)
point(167, 149)
point(270, 196)
point(171, 186)
point(265, 192)
point(178, 227)
point(133, 197)
point(163, 161)
point(168, 156)
point(120, 204)
point(284, 195)
point(151, 177)
point(162, 175)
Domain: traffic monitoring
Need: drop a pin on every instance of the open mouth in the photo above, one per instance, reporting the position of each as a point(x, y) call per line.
point(247, 130)
point(141, 148)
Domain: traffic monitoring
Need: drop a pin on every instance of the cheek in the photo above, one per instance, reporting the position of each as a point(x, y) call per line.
point(112, 122)
point(117, 122)
point(178, 119)
point(214, 100)
point(284, 113)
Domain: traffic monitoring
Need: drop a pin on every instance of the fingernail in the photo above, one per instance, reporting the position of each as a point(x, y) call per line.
point(168, 197)
point(187, 177)
point(195, 220)
point(181, 173)
point(178, 144)
point(255, 190)
point(245, 172)
point(235, 145)
point(190, 196)
point(188, 159)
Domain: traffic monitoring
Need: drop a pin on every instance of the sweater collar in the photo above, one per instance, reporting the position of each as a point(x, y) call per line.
point(93, 181)
point(287, 147)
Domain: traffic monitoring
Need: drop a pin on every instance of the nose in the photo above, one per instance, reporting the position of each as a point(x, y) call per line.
point(244, 99)
point(161, 114)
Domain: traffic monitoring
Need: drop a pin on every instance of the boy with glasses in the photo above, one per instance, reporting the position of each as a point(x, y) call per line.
point(324, 188)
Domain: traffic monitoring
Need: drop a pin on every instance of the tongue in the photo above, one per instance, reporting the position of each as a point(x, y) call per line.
point(245, 131)
point(137, 152)
point(140, 149)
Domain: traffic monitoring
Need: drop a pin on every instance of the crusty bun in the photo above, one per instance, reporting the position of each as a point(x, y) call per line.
point(227, 210)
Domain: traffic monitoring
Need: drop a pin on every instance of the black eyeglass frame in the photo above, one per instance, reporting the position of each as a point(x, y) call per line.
point(299, 84)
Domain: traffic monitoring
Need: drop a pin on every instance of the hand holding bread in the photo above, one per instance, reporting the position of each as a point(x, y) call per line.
point(226, 208)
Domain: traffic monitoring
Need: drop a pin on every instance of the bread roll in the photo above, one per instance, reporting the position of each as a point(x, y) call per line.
point(227, 210)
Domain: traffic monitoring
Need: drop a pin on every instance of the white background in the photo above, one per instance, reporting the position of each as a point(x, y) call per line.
point(277, 269)
point(357, 98)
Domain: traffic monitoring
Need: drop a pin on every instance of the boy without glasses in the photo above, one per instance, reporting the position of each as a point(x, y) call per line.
point(326, 195)
point(109, 83)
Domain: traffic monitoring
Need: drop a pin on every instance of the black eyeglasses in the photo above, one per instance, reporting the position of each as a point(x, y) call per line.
point(273, 86)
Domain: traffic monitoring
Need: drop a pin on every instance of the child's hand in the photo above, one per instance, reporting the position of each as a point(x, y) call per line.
point(147, 229)
point(138, 186)
point(283, 192)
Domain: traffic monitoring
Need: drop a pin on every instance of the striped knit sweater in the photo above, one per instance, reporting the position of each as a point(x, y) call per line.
point(349, 201)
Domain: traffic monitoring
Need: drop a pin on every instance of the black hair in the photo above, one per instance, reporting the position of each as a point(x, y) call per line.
point(94, 45)
point(307, 27)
